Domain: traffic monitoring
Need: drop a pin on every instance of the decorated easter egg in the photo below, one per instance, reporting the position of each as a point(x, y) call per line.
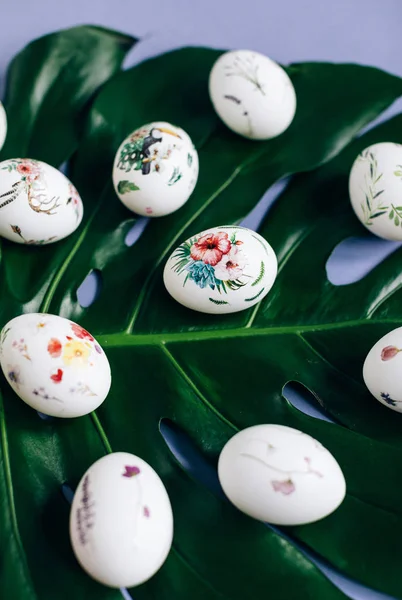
point(38, 204)
point(121, 522)
point(221, 270)
point(54, 365)
point(3, 125)
point(375, 189)
point(280, 475)
point(252, 94)
point(155, 169)
point(382, 370)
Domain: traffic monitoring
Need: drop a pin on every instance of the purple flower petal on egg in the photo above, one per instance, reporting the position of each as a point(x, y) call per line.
point(146, 512)
point(131, 471)
point(286, 487)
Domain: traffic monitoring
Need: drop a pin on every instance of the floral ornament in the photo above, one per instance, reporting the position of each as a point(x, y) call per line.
point(286, 487)
point(210, 247)
point(81, 333)
point(387, 398)
point(21, 347)
point(54, 348)
point(231, 265)
point(75, 200)
point(3, 334)
point(16, 229)
point(14, 376)
point(246, 68)
point(131, 471)
point(146, 512)
point(75, 354)
point(389, 352)
point(212, 260)
point(85, 514)
point(32, 182)
point(57, 376)
point(42, 393)
point(83, 389)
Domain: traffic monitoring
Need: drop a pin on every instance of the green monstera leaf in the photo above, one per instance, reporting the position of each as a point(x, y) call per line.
point(204, 375)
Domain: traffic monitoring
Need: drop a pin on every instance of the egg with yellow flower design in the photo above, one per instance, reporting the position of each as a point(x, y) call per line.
point(54, 365)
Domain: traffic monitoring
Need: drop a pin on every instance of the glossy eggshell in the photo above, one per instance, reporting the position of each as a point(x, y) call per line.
point(280, 475)
point(375, 189)
point(221, 270)
point(121, 521)
point(54, 365)
point(3, 125)
point(382, 370)
point(252, 94)
point(38, 204)
point(155, 169)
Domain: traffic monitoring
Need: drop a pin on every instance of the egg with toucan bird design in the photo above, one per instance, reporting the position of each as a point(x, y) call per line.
point(155, 169)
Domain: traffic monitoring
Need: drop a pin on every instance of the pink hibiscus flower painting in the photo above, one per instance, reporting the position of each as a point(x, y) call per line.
point(210, 247)
point(231, 265)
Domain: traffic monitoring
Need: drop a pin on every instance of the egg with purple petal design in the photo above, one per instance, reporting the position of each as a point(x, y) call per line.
point(280, 475)
point(121, 521)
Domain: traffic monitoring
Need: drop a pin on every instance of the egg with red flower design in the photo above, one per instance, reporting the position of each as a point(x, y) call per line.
point(382, 369)
point(38, 204)
point(54, 365)
point(222, 270)
point(121, 521)
point(3, 125)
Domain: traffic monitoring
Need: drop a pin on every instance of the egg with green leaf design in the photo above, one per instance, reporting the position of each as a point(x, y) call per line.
point(155, 169)
point(375, 189)
point(222, 270)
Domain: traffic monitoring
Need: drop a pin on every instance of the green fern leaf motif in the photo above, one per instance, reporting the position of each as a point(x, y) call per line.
point(218, 301)
point(261, 274)
point(254, 297)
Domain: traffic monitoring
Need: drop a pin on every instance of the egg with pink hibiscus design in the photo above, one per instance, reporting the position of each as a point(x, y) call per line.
point(280, 475)
point(54, 365)
point(382, 370)
point(222, 270)
point(121, 521)
point(3, 125)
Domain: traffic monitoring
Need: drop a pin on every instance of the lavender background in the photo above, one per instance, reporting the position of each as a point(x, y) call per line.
point(365, 31)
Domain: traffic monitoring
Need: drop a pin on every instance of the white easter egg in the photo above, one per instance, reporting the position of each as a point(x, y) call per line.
point(54, 365)
point(382, 370)
point(280, 475)
point(3, 125)
point(121, 521)
point(375, 189)
point(155, 169)
point(221, 270)
point(252, 94)
point(38, 204)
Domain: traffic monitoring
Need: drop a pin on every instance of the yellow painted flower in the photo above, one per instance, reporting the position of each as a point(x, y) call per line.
point(75, 354)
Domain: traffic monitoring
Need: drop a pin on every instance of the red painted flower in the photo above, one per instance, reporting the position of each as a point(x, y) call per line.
point(57, 377)
point(27, 168)
point(54, 348)
point(210, 247)
point(81, 333)
point(389, 352)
